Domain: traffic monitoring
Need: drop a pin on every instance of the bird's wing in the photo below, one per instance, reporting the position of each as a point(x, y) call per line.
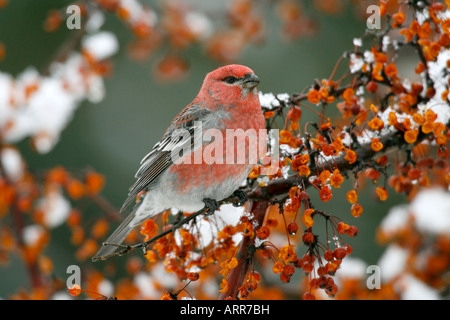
point(178, 136)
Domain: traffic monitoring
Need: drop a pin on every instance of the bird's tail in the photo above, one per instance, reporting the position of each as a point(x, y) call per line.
point(114, 240)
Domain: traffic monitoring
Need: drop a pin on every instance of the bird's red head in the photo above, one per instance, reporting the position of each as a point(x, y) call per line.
point(230, 85)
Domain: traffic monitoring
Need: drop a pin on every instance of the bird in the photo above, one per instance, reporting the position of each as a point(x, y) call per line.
point(176, 172)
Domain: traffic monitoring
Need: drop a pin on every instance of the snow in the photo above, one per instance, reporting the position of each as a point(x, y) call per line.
point(437, 70)
point(12, 163)
point(55, 207)
point(357, 42)
point(145, 284)
point(199, 24)
point(32, 233)
point(352, 268)
point(270, 101)
point(38, 106)
point(95, 22)
point(106, 288)
point(356, 63)
point(101, 45)
point(395, 220)
point(431, 210)
point(61, 295)
point(393, 262)
point(414, 289)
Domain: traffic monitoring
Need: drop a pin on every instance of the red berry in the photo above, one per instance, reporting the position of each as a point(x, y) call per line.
point(292, 228)
point(339, 253)
point(308, 238)
point(307, 267)
point(352, 231)
point(289, 270)
point(328, 255)
point(308, 296)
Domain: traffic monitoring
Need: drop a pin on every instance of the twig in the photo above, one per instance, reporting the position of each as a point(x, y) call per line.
point(245, 254)
point(128, 248)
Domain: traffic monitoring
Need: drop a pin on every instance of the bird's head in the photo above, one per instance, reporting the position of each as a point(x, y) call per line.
point(231, 84)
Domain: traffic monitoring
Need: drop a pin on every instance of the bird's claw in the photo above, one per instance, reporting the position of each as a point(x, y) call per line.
point(211, 204)
point(242, 196)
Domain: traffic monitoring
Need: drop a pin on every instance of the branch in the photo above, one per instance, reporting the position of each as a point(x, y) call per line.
point(128, 248)
point(245, 254)
point(18, 225)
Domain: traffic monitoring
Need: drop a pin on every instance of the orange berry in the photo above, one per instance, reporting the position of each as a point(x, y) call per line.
point(75, 189)
point(348, 94)
point(376, 145)
point(392, 119)
point(336, 179)
point(263, 232)
point(420, 68)
point(57, 175)
point(100, 228)
point(390, 70)
point(285, 136)
point(193, 276)
point(53, 21)
point(325, 194)
point(430, 116)
point(94, 182)
point(411, 136)
point(294, 114)
point(324, 176)
point(441, 139)
point(382, 161)
point(314, 96)
point(75, 290)
point(376, 124)
point(398, 19)
point(352, 197)
point(351, 156)
point(356, 210)
point(287, 254)
point(278, 267)
point(308, 221)
point(269, 114)
point(427, 127)
point(304, 171)
point(342, 227)
point(382, 193)
point(372, 174)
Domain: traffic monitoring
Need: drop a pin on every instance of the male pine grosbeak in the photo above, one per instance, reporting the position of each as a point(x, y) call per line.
point(228, 99)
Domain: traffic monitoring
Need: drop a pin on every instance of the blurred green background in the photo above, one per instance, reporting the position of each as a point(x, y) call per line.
point(114, 135)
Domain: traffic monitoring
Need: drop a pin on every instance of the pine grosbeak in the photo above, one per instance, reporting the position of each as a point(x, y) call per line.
point(228, 99)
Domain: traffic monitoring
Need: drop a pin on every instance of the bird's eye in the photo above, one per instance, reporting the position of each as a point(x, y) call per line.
point(230, 80)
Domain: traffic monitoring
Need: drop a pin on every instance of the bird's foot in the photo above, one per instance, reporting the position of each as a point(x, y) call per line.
point(242, 196)
point(211, 204)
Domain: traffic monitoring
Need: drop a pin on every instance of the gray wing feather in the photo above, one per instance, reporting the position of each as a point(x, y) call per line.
point(117, 236)
point(160, 158)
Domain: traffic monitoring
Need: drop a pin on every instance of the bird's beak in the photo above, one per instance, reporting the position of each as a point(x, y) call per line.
point(250, 81)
